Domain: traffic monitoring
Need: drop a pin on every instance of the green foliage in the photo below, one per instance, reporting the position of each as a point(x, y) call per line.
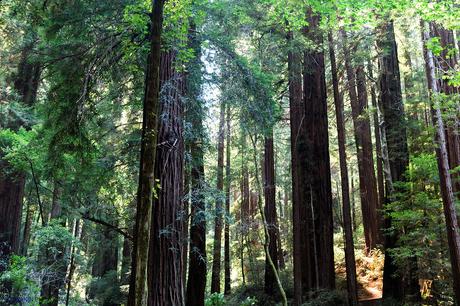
point(249, 301)
point(327, 298)
point(417, 213)
point(17, 283)
point(215, 299)
point(105, 290)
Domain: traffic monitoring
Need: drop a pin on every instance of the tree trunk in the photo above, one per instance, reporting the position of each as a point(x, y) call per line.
point(448, 199)
point(12, 183)
point(301, 258)
point(347, 222)
point(27, 229)
point(217, 251)
point(316, 162)
point(378, 148)
point(228, 182)
point(270, 214)
point(55, 262)
point(165, 273)
point(445, 62)
point(398, 155)
point(11, 195)
point(362, 130)
point(138, 290)
point(196, 282)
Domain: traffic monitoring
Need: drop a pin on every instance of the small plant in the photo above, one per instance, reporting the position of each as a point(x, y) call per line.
point(17, 287)
point(249, 301)
point(215, 299)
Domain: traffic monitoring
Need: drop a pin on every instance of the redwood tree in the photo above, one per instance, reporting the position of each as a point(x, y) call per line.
point(347, 222)
point(228, 181)
point(362, 131)
point(196, 282)
point(318, 193)
point(217, 251)
point(398, 158)
point(448, 199)
point(165, 272)
point(138, 285)
point(270, 213)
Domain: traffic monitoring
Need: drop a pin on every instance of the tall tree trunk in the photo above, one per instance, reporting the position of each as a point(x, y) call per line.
point(12, 183)
point(316, 162)
point(367, 182)
point(228, 182)
point(196, 282)
point(347, 222)
point(270, 214)
point(27, 229)
point(186, 212)
point(54, 260)
point(448, 199)
point(165, 273)
point(138, 290)
point(445, 62)
point(378, 148)
point(217, 251)
point(301, 258)
point(398, 155)
point(72, 265)
point(265, 224)
point(125, 261)
point(11, 195)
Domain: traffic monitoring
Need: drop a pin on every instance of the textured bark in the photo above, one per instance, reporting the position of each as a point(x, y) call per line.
point(316, 162)
point(217, 251)
point(347, 222)
point(447, 193)
point(378, 148)
point(362, 131)
point(12, 183)
point(11, 195)
point(301, 256)
point(165, 272)
point(444, 63)
point(228, 182)
point(398, 155)
point(138, 290)
point(270, 214)
point(196, 282)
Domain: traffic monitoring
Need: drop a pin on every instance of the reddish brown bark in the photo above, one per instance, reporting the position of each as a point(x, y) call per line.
point(362, 131)
point(378, 148)
point(444, 63)
point(138, 291)
point(398, 159)
point(12, 183)
point(228, 180)
point(450, 214)
point(316, 163)
point(11, 195)
point(301, 256)
point(217, 251)
point(347, 222)
point(270, 214)
point(196, 282)
point(165, 273)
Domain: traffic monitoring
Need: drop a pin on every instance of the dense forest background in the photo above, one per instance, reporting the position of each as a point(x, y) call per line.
point(229, 152)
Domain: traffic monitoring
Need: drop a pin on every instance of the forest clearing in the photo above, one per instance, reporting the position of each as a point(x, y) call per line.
point(229, 152)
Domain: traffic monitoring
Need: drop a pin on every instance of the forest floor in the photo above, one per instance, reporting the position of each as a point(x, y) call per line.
point(369, 270)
